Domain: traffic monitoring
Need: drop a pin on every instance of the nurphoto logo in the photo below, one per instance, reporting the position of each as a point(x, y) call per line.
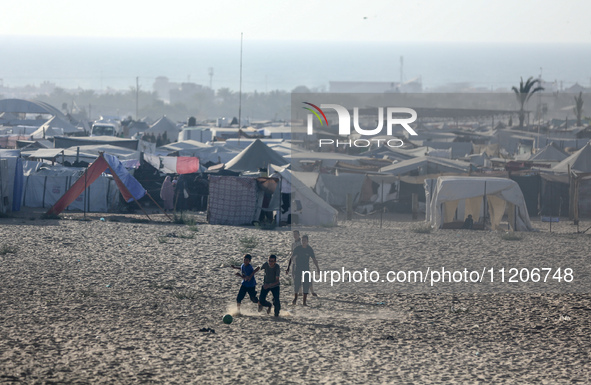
point(393, 118)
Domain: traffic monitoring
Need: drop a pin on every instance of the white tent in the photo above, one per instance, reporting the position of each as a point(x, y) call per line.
point(53, 127)
point(448, 193)
point(550, 153)
point(579, 161)
point(307, 208)
point(164, 125)
point(254, 157)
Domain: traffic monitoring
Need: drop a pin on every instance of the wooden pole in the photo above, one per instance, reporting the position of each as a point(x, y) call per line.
point(551, 206)
point(383, 206)
point(485, 202)
point(140, 206)
point(116, 177)
point(85, 189)
point(156, 203)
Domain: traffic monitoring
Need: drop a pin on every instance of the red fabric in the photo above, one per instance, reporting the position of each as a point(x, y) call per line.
point(92, 173)
point(187, 165)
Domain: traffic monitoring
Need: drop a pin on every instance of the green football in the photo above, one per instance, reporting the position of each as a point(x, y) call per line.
point(227, 319)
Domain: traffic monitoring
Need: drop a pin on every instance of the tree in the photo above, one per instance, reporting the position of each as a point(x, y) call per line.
point(578, 108)
point(524, 93)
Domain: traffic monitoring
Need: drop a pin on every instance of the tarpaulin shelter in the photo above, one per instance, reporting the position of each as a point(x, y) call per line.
point(307, 208)
point(480, 197)
point(129, 187)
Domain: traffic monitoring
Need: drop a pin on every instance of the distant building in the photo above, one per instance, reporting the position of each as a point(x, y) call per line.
point(411, 86)
point(576, 88)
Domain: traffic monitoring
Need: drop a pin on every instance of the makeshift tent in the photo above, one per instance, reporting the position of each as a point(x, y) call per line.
point(129, 187)
point(530, 185)
point(53, 127)
point(550, 153)
point(45, 185)
point(308, 178)
point(334, 189)
point(581, 196)
point(254, 157)
point(307, 208)
point(554, 195)
point(233, 200)
point(379, 188)
point(579, 161)
point(165, 125)
point(481, 197)
point(11, 180)
point(46, 132)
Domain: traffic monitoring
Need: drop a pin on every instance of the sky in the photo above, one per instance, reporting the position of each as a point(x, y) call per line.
point(539, 21)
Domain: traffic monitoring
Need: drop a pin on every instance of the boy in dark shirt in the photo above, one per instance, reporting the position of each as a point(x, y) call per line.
point(271, 283)
point(248, 281)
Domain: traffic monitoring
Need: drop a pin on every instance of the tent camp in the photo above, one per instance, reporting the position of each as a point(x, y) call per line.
point(448, 196)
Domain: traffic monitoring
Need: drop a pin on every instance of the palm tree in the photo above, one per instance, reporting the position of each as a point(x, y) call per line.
point(578, 108)
point(523, 93)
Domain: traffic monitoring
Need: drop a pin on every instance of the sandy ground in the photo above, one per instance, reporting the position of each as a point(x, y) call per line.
point(122, 301)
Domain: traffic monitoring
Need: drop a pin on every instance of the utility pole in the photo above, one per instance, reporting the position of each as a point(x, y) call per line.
point(539, 111)
point(401, 73)
point(240, 93)
point(137, 97)
point(210, 72)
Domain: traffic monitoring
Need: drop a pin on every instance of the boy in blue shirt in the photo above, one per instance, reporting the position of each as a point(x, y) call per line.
point(248, 281)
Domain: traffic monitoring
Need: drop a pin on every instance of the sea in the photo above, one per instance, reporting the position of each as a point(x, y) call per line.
point(116, 64)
